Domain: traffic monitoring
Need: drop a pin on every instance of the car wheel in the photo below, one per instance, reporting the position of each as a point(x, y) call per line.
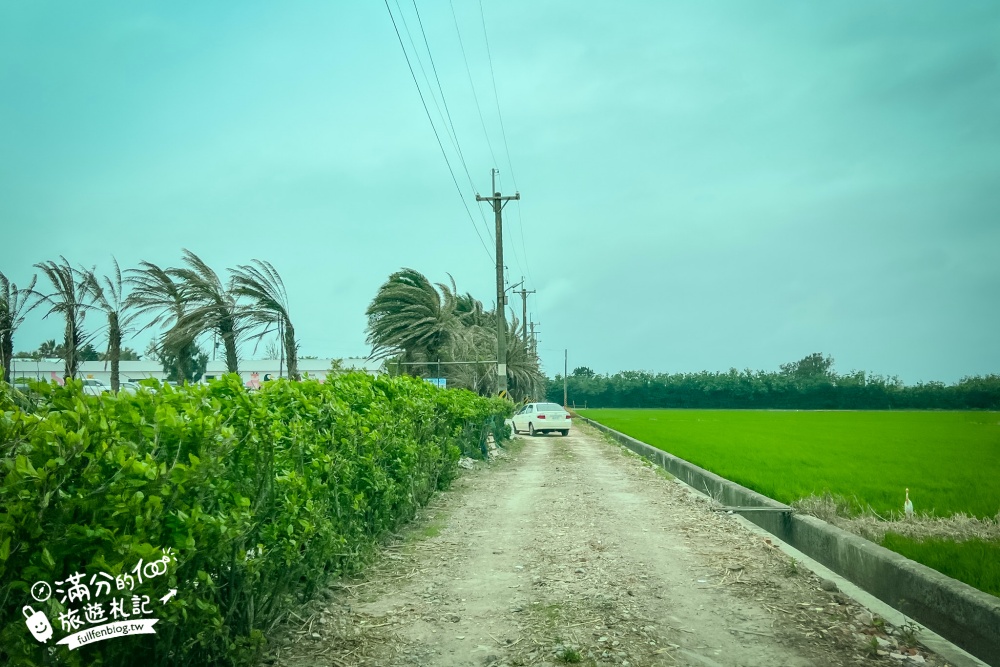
point(531, 429)
point(565, 431)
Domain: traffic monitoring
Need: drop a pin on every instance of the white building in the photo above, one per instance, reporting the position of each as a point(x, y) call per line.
point(47, 369)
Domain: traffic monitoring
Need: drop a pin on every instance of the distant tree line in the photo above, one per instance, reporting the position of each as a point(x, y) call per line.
point(808, 384)
point(51, 350)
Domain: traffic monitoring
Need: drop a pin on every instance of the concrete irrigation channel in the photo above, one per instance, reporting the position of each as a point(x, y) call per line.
point(958, 612)
point(573, 550)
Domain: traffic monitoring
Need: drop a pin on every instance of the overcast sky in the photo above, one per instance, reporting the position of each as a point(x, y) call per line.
point(705, 184)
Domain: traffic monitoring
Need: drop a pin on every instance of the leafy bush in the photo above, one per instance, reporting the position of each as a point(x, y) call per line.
point(261, 496)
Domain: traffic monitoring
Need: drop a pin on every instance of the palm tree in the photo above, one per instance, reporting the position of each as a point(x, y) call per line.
point(68, 300)
point(13, 308)
point(470, 312)
point(213, 307)
point(476, 344)
point(109, 296)
point(409, 315)
point(260, 283)
point(523, 375)
point(155, 293)
point(51, 350)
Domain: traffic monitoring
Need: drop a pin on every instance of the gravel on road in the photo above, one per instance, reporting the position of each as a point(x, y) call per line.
point(572, 550)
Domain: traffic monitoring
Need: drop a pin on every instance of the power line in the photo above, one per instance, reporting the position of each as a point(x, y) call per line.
point(472, 84)
point(447, 112)
point(444, 102)
point(437, 136)
point(503, 133)
point(427, 80)
point(524, 246)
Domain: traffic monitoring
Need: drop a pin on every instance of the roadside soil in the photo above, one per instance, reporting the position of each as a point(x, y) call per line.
point(572, 550)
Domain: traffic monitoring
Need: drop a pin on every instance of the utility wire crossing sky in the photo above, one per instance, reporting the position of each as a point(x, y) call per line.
point(704, 186)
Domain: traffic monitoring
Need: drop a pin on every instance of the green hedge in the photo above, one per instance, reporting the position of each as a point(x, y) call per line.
point(261, 495)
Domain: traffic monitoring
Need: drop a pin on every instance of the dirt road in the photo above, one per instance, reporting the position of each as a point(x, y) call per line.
point(572, 550)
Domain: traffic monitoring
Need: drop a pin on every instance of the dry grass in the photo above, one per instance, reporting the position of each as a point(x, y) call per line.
point(864, 521)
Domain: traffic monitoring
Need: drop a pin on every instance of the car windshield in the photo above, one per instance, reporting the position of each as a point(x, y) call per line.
point(549, 407)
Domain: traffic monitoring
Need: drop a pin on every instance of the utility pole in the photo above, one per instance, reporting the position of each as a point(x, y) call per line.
point(498, 202)
point(565, 371)
point(524, 311)
point(535, 330)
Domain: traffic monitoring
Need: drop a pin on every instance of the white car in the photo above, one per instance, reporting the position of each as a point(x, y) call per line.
point(95, 387)
point(128, 387)
point(541, 418)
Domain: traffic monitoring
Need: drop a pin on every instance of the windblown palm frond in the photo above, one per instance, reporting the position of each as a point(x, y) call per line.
point(470, 311)
point(108, 295)
point(156, 295)
point(524, 379)
point(260, 283)
point(49, 349)
point(474, 344)
point(211, 307)
point(70, 300)
point(410, 315)
point(13, 308)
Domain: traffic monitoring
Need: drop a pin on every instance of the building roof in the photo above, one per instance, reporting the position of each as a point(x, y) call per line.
point(101, 370)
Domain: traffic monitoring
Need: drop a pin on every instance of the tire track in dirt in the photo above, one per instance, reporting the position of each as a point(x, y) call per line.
point(573, 550)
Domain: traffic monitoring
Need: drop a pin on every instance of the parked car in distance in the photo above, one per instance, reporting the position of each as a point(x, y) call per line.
point(94, 387)
point(128, 387)
point(542, 418)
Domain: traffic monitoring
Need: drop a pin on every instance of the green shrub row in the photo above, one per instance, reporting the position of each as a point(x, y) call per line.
point(262, 496)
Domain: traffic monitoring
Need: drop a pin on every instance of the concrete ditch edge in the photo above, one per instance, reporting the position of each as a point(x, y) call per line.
point(958, 612)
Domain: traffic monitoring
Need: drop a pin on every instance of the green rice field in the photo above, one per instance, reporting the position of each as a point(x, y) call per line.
point(976, 562)
point(949, 460)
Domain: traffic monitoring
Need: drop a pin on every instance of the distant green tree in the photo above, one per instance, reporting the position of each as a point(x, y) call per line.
point(184, 364)
point(50, 350)
point(815, 366)
point(89, 353)
point(126, 354)
point(583, 372)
